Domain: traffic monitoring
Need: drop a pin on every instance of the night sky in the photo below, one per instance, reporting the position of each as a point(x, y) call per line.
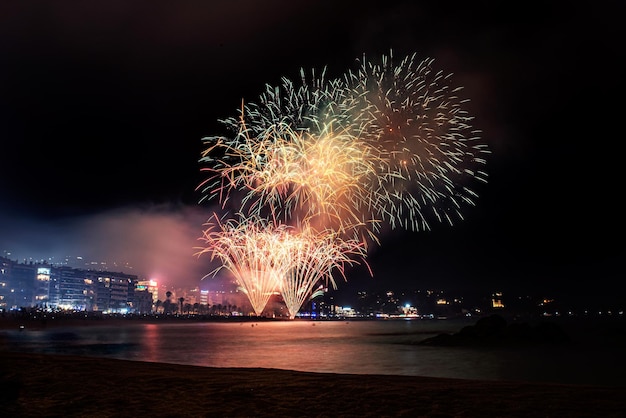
point(103, 106)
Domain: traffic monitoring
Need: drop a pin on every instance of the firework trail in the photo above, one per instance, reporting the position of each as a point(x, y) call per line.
point(312, 107)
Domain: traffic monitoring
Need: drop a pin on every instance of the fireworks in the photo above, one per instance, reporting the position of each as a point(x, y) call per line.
point(418, 122)
point(316, 179)
point(315, 256)
point(253, 251)
point(265, 258)
point(315, 170)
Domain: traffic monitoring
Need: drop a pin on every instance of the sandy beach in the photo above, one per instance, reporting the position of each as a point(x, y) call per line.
point(34, 385)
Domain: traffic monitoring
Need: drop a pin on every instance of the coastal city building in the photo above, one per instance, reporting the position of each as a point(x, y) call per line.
point(41, 285)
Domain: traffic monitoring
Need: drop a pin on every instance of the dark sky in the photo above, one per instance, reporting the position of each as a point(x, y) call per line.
point(103, 106)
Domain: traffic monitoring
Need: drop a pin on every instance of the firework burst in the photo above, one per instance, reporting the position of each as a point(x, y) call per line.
point(423, 132)
point(386, 144)
point(315, 256)
point(265, 258)
point(324, 179)
point(310, 106)
point(253, 251)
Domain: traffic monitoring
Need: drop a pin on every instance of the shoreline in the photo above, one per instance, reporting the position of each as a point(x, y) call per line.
point(74, 386)
point(44, 320)
point(16, 323)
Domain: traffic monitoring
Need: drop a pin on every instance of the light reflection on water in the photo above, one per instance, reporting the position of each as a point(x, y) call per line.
point(356, 347)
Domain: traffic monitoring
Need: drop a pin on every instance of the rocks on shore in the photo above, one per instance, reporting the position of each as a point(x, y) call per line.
point(494, 330)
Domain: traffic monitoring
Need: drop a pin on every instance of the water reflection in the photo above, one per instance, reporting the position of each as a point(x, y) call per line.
point(358, 347)
point(149, 343)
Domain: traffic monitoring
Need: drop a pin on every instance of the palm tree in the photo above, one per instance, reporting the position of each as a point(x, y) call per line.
point(167, 305)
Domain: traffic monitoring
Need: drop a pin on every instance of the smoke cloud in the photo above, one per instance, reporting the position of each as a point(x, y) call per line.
point(152, 243)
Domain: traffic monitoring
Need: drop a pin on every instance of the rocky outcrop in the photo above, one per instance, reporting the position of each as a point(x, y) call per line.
point(494, 330)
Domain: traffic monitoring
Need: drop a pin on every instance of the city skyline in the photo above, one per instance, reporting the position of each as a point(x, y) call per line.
point(38, 286)
point(104, 110)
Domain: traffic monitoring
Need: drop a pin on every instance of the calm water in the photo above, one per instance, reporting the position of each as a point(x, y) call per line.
point(356, 347)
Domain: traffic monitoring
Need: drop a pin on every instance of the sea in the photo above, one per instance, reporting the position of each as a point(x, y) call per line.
point(595, 354)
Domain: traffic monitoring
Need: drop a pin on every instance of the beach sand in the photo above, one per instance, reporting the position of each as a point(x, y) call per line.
point(37, 385)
